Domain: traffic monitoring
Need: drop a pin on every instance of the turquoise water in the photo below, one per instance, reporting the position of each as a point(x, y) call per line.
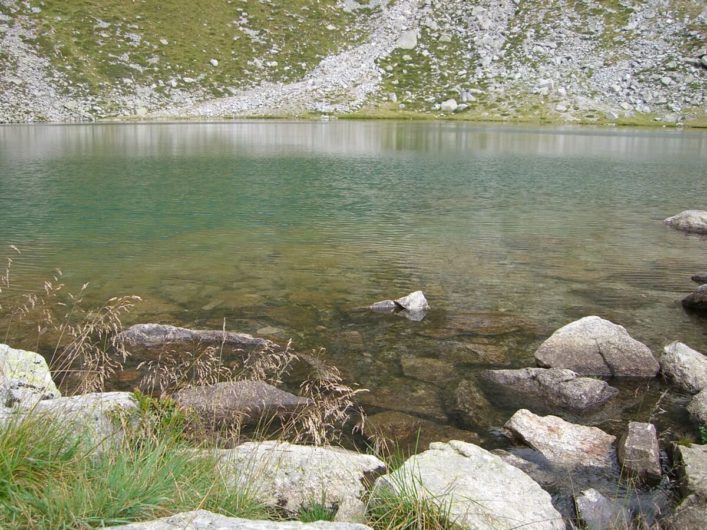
point(291, 228)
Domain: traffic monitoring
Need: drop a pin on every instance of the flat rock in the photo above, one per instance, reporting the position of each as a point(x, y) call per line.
point(407, 395)
point(697, 301)
point(224, 404)
point(24, 377)
point(597, 512)
point(698, 408)
point(693, 221)
point(204, 520)
point(563, 443)
point(157, 335)
point(594, 346)
point(556, 387)
point(427, 369)
point(692, 463)
point(685, 367)
point(639, 453)
point(475, 486)
point(395, 429)
point(290, 477)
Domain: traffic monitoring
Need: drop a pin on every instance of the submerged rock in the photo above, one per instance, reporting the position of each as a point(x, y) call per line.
point(291, 477)
point(556, 387)
point(472, 404)
point(693, 221)
point(697, 301)
point(156, 335)
point(638, 451)
point(475, 486)
point(234, 402)
point(204, 520)
point(594, 346)
point(597, 512)
point(427, 369)
point(685, 367)
point(563, 443)
point(24, 377)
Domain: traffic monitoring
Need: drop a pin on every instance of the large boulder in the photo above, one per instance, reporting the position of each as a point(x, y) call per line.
point(563, 443)
point(694, 221)
point(555, 387)
point(638, 451)
point(594, 346)
point(291, 477)
point(158, 335)
point(204, 520)
point(475, 486)
point(698, 408)
point(24, 377)
point(685, 367)
point(238, 402)
point(697, 301)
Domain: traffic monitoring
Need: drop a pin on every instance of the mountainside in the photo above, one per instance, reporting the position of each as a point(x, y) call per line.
point(618, 61)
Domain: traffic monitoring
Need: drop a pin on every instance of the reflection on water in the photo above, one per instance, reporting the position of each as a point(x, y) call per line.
point(291, 228)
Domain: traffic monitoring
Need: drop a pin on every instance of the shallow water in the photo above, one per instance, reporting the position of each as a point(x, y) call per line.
point(289, 229)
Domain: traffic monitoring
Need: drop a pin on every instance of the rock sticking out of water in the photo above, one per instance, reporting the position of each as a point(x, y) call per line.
point(235, 402)
point(563, 443)
point(413, 306)
point(555, 387)
point(697, 301)
point(693, 221)
point(684, 367)
point(638, 451)
point(475, 486)
point(156, 335)
point(594, 346)
point(700, 278)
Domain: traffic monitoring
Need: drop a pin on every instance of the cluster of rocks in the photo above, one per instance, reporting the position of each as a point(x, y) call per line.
point(693, 222)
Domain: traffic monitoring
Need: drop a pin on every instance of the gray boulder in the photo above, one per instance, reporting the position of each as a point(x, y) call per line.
point(699, 278)
point(594, 346)
point(475, 486)
point(685, 367)
point(692, 468)
point(596, 512)
point(24, 377)
point(157, 335)
point(693, 221)
point(638, 451)
point(556, 387)
point(204, 520)
point(563, 443)
point(698, 408)
point(291, 477)
point(697, 301)
point(238, 402)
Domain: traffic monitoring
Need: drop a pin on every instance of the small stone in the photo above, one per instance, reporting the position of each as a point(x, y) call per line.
point(599, 513)
point(408, 40)
point(638, 451)
point(164, 42)
point(214, 62)
point(449, 106)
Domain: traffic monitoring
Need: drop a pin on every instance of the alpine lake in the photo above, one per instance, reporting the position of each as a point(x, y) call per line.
point(291, 230)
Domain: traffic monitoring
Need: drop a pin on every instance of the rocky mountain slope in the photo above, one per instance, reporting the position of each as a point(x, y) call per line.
point(623, 61)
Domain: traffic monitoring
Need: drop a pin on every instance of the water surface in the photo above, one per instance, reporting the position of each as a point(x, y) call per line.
point(288, 229)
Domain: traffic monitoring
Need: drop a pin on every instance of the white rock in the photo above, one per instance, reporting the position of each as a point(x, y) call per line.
point(290, 477)
point(407, 40)
point(476, 487)
point(164, 42)
point(449, 106)
point(689, 221)
point(685, 367)
point(564, 443)
point(214, 62)
point(24, 377)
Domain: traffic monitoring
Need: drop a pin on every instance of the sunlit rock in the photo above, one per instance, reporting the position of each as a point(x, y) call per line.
point(24, 377)
point(685, 367)
point(694, 221)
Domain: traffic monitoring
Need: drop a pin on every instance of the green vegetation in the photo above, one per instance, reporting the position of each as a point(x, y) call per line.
point(52, 478)
point(317, 511)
